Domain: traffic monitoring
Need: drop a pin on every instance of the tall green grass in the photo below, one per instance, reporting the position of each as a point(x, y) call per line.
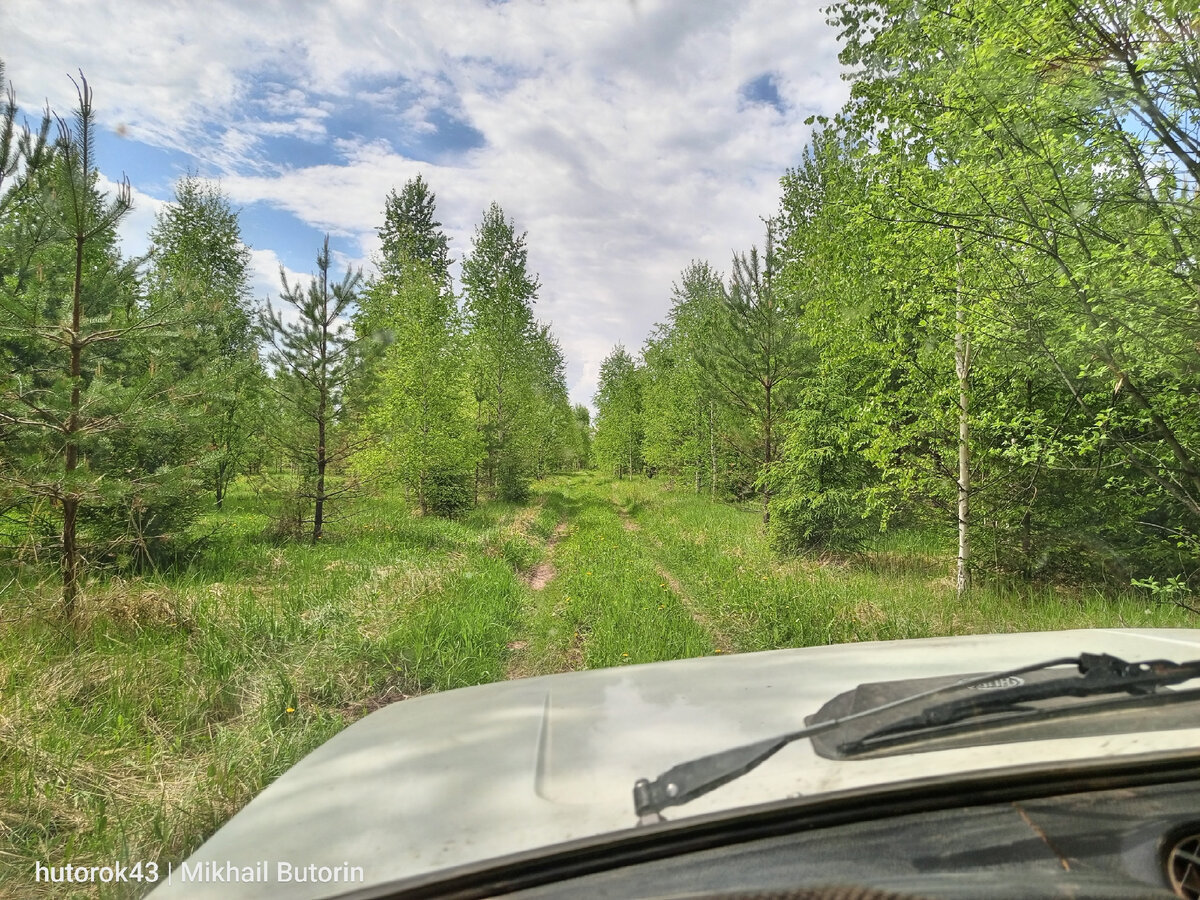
point(178, 697)
point(901, 586)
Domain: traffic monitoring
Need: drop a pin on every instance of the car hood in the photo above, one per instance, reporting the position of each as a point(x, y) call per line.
point(478, 773)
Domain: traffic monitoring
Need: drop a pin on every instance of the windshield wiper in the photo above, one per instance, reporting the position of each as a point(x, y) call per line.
point(1101, 674)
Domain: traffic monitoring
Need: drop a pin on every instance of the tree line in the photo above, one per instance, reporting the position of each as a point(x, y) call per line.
point(976, 304)
point(136, 391)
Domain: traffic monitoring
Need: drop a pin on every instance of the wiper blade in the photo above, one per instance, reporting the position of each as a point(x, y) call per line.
point(1016, 716)
point(1102, 674)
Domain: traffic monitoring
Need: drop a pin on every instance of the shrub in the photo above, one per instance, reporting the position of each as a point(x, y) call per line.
point(512, 481)
point(448, 493)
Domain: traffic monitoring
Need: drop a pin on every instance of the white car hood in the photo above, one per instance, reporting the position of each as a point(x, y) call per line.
point(477, 773)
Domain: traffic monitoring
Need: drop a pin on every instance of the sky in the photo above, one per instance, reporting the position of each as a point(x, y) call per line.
point(624, 138)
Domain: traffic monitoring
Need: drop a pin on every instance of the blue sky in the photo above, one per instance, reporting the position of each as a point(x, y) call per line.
point(626, 138)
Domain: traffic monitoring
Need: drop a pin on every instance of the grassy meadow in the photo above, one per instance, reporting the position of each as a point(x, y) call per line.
point(179, 696)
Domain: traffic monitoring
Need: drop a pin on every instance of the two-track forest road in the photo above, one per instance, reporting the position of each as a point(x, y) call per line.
point(636, 571)
point(600, 594)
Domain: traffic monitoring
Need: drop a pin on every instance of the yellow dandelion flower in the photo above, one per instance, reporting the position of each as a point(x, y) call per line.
point(291, 709)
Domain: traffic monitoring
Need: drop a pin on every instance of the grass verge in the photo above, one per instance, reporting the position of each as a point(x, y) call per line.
point(176, 699)
point(903, 587)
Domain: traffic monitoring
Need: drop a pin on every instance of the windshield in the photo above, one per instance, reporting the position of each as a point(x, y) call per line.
point(355, 356)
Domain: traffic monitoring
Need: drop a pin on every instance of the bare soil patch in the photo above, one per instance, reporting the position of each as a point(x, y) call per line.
point(359, 708)
point(519, 664)
point(543, 573)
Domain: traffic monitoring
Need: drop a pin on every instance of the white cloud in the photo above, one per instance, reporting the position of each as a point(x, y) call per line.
point(613, 132)
point(133, 230)
point(265, 283)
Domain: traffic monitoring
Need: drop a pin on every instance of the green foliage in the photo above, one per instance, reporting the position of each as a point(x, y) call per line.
point(498, 306)
point(1012, 176)
point(579, 448)
point(200, 268)
point(417, 410)
point(1050, 137)
point(823, 479)
point(87, 395)
point(678, 400)
point(512, 480)
point(752, 354)
point(410, 233)
point(23, 152)
point(314, 357)
point(618, 443)
point(142, 522)
point(430, 419)
point(447, 492)
point(552, 423)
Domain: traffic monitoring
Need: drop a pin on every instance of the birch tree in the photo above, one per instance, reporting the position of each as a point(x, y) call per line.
point(1071, 136)
point(618, 444)
point(499, 295)
point(200, 267)
point(417, 407)
point(678, 398)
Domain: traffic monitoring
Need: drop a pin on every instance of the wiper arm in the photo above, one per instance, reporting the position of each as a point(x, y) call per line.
point(1101, 674)
point(685, 782)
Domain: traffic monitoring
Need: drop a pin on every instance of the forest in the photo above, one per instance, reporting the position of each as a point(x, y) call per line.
point(955, 389)
point(138, 390)
point(976, 303)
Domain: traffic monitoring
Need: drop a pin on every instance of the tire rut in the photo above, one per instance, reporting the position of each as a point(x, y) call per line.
point(721, 641)
point(543, 573)
point(519, 664)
